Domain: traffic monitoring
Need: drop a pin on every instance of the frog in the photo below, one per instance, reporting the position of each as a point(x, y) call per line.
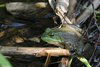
point(68, 37)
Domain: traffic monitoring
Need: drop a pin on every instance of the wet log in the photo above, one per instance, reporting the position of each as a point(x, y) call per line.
point(6, 1)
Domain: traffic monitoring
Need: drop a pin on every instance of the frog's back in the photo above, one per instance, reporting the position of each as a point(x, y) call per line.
point(70, 28)
point(71, 38)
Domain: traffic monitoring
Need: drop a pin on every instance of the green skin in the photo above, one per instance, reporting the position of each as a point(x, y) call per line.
point(66, 37)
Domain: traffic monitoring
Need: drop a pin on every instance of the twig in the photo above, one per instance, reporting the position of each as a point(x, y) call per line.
point(90, 41)
point(47, 60)
point(94, 49)
point(88, 27)
point(94, 16)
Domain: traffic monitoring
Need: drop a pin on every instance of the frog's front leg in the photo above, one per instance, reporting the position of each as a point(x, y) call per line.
point(86, 47)
point(80, 48)
point(83, 49)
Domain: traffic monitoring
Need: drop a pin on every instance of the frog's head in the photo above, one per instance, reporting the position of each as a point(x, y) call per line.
point(52, 36)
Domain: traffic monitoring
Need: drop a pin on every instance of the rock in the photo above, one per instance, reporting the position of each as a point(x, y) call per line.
point(17, 8)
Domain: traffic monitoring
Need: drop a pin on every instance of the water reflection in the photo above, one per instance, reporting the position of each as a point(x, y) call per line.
point(14, 25)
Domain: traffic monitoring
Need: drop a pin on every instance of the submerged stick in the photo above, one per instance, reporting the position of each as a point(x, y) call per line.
point(37, 51)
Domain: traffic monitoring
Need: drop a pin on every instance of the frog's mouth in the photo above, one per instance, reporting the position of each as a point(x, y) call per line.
point(47, 38)
point(54, 43)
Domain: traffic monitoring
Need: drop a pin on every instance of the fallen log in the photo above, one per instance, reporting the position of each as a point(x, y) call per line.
point(37, 51)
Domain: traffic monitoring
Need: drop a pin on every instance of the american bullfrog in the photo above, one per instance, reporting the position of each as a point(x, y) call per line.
point(67, 36)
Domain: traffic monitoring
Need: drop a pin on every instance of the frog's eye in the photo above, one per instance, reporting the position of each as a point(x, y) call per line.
point(51, 35)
